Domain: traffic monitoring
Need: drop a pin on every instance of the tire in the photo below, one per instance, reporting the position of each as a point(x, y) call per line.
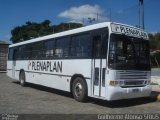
point(79, 89)
point(22, 79)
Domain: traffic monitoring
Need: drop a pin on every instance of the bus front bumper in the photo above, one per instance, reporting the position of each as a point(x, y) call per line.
point(117, 93)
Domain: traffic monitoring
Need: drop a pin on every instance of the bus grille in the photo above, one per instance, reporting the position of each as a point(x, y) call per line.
point(133, 78)
point(133, 75)
point(134, 82)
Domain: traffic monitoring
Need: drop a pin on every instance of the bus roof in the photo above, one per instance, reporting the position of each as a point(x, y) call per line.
point(73, 31)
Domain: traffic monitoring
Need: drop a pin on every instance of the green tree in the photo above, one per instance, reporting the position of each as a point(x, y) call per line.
point(155, 49)
point(154, 41)
point(32, 30)
point(66, 26)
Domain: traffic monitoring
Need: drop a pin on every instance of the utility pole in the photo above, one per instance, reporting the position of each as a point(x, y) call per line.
point(141, 6)
point(139, 12)
point(97, 17)
point(110, 15)
point(142, 2)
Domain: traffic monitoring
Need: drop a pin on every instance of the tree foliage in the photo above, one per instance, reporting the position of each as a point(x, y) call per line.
point(154, 41)
point(155, 49)
point(32, 30)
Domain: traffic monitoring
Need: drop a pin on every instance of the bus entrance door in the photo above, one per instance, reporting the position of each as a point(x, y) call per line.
point(99, 67)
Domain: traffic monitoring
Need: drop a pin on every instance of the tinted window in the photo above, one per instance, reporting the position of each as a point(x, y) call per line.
point(28, 51)
point(15, 53)
point(97, 46)
point(100, 43)
point(18, 53)
point(62, 48)
point(49, 48)
point(80, 46)
point(129, 53)
point(37, 50)
point(22, 52)
point(96, 77)
point(10, 56)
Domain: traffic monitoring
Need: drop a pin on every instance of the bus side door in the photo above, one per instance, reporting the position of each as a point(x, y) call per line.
point(99, 48)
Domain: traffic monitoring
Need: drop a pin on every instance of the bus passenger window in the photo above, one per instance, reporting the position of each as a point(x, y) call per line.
point(49, 47)
point(62, 47)
point(15, 54)
point(21, 52)
point(80, 46)
point(37, 50)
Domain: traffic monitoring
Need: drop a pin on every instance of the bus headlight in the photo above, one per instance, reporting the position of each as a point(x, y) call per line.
point(116, 83)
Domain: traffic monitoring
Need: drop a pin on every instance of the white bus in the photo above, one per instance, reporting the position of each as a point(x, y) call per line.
point(109, 61)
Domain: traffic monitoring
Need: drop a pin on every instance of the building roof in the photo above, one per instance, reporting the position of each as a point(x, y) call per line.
point(3, 43)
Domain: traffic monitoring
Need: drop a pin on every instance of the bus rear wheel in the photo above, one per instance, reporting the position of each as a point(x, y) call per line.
point(79, 89)
point(22, 79)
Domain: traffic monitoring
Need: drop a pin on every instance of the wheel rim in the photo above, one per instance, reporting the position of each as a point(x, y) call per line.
point(78, 89)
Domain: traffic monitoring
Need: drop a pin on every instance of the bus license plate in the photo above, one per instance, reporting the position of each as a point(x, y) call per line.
point(135, 90)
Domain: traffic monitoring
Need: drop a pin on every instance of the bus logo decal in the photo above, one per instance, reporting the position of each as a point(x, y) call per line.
point(55, 66)
point(127, 30)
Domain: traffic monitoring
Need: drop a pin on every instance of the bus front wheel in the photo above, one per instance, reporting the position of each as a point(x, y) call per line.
point(22, 78)
point(79, 89)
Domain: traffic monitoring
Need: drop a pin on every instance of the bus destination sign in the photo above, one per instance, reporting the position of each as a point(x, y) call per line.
point(127, 30)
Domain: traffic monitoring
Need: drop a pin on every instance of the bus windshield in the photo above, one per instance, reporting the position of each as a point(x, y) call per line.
point(128, 53)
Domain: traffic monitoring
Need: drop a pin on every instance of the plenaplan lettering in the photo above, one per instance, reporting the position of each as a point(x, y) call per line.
point(132, 32)
point(47, 66)
point(129, 31)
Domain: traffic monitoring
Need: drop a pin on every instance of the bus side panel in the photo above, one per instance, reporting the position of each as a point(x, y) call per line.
point(12, 72)
point(9, 69)
point(58, 82)
point(58, 74)
point(79, 66)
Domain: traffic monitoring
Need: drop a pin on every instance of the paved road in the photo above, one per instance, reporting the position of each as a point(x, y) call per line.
point(38, 100)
